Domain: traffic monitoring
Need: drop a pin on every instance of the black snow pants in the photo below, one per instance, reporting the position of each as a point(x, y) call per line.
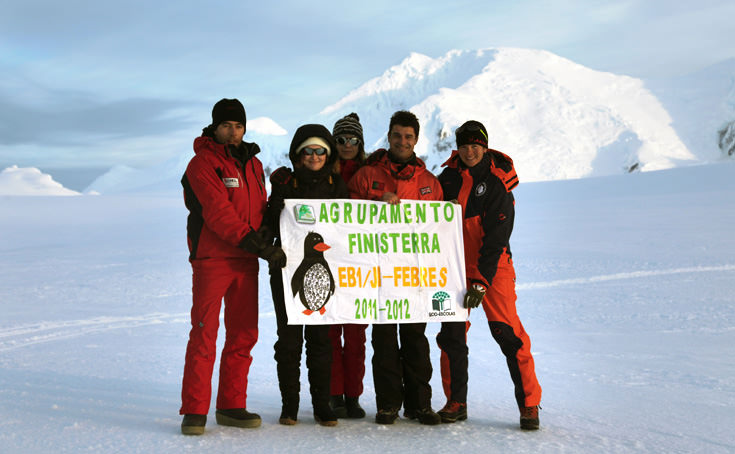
point(288, 349)
point(401, 374)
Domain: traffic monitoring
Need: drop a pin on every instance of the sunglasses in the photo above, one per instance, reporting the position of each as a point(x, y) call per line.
point(354, 141)
point(317, 151)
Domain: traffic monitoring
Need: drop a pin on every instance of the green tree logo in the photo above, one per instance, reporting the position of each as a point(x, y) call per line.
point(440, 301)
point(304, 214)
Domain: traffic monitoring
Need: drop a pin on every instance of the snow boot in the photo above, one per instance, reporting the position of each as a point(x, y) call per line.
point(337, 403)
point(193, 424)
point(289, 415)
point(354, 410)
point(324, 415)
point(453, 411)
point(428, 417)
point(529, 418)
point(237, 417)
point(386, 416)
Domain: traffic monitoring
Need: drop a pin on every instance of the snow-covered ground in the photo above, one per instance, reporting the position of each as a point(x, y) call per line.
point(626, 285)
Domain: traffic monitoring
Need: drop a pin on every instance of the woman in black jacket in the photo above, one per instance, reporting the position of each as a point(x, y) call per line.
point(313, 155)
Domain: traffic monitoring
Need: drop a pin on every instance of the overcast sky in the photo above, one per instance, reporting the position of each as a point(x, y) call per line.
point(98, 83)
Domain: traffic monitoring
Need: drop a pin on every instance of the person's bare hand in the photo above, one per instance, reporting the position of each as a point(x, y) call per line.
point(391, 198)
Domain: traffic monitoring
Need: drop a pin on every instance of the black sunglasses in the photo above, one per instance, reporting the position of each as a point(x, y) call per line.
point(317, 151)
point(354, 141)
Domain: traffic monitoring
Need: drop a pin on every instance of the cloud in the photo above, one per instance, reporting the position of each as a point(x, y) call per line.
point(75, 119)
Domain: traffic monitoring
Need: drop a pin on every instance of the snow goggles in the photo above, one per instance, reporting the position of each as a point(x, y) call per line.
point(354, 141)
point(317, 151)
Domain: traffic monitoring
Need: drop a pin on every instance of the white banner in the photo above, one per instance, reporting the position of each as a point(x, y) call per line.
point(360, 261)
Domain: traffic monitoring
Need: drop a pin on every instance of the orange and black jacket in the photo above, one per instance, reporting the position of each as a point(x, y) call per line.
point(484, 191)
point(224, 190)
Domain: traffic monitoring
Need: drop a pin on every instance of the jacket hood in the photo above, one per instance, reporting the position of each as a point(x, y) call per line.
point(401, 171)
point(501, 165)
point(313, 130)
point(244, 151)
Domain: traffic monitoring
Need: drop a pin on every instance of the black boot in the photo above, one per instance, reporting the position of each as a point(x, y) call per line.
point(237, 417)
point(354, 410)
point(193, 424)
point(288, 417)
point(337, 404)
point(324, 415)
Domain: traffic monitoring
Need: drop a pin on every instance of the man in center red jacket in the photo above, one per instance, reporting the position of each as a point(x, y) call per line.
point(401, 374)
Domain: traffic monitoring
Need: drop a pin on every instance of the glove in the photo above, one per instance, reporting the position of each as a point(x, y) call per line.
point(265, 234)
point(275, 257)
point(253, 243)
point(474, 296)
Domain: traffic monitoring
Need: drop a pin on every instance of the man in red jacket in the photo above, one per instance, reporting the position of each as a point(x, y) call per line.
point(225, 194)
point(481, 180)
point(401, 374)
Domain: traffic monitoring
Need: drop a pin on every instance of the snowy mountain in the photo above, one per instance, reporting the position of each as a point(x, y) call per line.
point(702, 108)
point(30, 181)
point(555, 118)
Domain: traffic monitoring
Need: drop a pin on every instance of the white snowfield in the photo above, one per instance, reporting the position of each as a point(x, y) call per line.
point(626, 285)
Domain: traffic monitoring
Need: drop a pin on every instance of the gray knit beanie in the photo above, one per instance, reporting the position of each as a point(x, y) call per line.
point(348, 125)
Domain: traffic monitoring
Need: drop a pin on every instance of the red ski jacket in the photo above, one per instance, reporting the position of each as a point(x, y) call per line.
point(224, 191)
point(410, 181)
point(484, 191)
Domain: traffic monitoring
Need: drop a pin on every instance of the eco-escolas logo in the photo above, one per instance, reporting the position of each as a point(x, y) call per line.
point(441, 301)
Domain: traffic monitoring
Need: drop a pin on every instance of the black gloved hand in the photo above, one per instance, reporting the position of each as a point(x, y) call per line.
point(253, 243)
point(265, 234)
point(275, 256)
point(474, 296)
point(276, 204)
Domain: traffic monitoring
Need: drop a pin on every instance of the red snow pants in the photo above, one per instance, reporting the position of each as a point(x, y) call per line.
point(235, 280)
point(348, 360)
point(507, 330)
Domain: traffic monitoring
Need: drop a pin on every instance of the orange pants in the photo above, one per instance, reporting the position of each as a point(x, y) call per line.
point(506, 328)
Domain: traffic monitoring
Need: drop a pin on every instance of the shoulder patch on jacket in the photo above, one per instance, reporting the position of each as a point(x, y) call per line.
point(425, 190)
point(378, 185)
point(281, 175)
point(504, 169)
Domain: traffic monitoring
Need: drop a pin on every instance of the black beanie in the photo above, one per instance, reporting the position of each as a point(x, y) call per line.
point(348, 125)
point(228, 110)
point(472, 132)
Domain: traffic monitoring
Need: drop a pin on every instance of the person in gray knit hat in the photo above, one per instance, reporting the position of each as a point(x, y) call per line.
point(347, 133)
point(348, 358)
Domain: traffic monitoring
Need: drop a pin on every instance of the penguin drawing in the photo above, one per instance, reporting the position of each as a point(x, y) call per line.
point(313, 280)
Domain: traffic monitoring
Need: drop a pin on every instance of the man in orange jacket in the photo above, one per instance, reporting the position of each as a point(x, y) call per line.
point(481, 180)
